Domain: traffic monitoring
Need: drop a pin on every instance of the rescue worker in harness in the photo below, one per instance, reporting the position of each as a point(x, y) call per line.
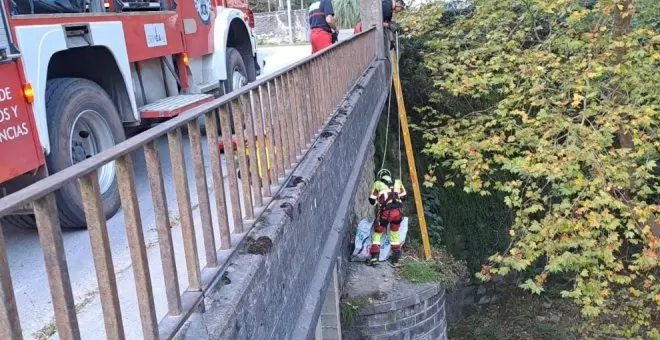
point(387, 196)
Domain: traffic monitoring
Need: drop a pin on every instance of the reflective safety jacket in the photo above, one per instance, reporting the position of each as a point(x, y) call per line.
point(387, 197)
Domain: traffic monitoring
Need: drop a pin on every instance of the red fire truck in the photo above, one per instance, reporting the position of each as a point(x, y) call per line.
point(76, 74)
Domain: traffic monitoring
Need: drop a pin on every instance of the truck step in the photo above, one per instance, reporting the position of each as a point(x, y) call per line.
point(173, 106)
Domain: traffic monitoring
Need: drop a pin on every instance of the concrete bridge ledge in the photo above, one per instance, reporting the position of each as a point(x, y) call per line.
point(275, 288)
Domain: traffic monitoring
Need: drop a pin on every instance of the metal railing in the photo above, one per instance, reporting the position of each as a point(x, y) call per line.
point(278, 117)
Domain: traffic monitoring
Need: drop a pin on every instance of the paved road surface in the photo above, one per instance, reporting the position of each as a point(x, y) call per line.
point(26, 260)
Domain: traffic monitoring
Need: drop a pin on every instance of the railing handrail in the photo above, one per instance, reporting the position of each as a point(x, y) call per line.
point(56, 181)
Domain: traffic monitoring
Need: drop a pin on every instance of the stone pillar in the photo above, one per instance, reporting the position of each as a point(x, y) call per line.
point(371, 14)
point(329, 324)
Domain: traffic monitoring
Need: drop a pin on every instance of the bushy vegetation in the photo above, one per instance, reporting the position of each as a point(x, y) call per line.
point(552, 109)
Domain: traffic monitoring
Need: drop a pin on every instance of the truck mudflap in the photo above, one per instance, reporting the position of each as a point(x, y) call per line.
point(20, 151)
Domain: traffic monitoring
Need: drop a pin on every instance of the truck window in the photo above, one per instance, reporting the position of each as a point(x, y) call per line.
point(27, 7)
point(6, 48)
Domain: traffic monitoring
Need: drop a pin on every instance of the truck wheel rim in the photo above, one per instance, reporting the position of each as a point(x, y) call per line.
point(238, 80)
point(89, 136)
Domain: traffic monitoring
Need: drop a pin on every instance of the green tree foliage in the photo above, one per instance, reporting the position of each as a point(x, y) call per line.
point(347, 12)
point(554, 105)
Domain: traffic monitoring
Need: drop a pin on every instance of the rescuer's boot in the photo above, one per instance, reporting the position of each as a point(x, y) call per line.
point(373, 260)
point(396, 254)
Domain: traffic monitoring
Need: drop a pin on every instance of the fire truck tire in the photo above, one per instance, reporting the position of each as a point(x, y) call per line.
point(20, 221)
point(237, 74)
point(76, 104)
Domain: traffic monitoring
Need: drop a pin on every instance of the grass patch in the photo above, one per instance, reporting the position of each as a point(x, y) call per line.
point(520, 317)
point(46, 332)
point(442, 268)
point(418, 271)
point(85, 301)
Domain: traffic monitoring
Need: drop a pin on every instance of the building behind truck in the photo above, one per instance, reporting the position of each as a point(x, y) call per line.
point(76, 74)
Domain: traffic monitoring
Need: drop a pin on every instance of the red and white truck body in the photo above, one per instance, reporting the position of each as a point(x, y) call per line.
point(151, 59)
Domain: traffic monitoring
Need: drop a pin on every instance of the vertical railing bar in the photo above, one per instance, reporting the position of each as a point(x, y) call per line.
point(331, 97)
point(291, 114)
point(351, 75)
point(102, 255)
point(262, 147)
point(269, 138)
point(10, 324)
point(342, 85)
point(137, 248)
point(253, 171)
point(303, 92)
point(309, 112)
point(274, 139)
point(345, 77)
point(242, 158)
point(348, 75)
point(50, 238)
point(185, 209)
point(313, 126)
point(275, 116)
point(318, 95)
point(300, 125)
point(328, 80)
point(234, 195)
point(283, 117)
point(161, 213)
point(202, 193)
point(324, 82)
point(313, 79)
point(300, 107)
point(211, 123)
point(334, 80)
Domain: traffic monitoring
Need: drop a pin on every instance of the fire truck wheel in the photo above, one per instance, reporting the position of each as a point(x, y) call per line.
point(237, 76)
point(84, 122)
point(20, 221)
point(236, 71)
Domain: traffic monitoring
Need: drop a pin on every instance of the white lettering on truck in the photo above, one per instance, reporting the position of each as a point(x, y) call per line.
point(13, 132)
point(10, 131)
point(5, 94)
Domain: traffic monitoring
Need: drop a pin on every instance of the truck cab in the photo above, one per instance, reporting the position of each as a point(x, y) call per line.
point(84, 74)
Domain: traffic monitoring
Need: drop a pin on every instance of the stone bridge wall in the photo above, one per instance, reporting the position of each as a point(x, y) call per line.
point(275, 288)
